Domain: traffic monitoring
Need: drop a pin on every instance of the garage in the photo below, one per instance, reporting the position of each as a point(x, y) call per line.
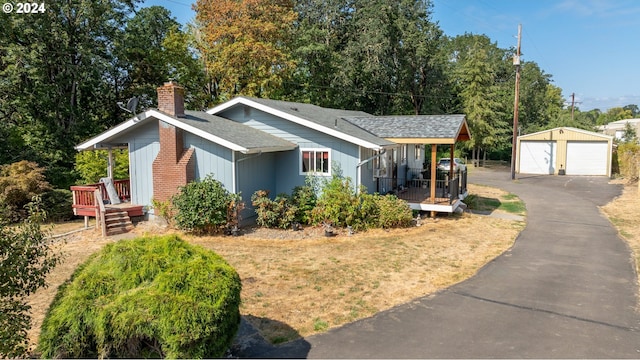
point(538, 157)
point(587, 158)
point(564, 150)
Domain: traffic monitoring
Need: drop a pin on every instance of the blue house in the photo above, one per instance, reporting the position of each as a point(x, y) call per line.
point(251, 144)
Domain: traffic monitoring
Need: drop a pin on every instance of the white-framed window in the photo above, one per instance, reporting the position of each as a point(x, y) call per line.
point(315, 161)
point(404, 154)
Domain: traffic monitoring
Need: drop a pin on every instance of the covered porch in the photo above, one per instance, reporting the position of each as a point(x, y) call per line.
point(426, 188)
point(449, 192)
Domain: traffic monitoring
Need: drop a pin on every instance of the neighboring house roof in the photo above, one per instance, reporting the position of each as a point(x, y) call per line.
point(326, 120)
point(228, 133)
point(419, 129)
point(619, 124)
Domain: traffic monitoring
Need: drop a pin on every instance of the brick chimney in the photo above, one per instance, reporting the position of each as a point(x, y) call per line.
point(171, 99)
point(174, 166)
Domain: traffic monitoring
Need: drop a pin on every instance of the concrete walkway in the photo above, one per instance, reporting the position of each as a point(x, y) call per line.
point(567, 289)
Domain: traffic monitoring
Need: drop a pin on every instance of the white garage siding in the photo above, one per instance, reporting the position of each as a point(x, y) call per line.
point(587, 157)
point(537, 157)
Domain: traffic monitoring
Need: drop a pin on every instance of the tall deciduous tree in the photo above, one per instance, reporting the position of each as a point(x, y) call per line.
point(141, 54)
point(55, 79)
point(379, 56)
point(247, 43)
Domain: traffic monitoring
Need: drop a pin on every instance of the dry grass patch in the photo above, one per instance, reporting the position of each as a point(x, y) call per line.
point(318, 282)
point(623, 214)
point(300, 283)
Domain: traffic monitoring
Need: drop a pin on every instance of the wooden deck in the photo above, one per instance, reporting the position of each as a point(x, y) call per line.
point(84, 199)
point(417, 192)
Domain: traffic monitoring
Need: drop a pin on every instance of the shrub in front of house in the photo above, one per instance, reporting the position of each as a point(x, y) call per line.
point(273, 213)
point(285, 210)
point(393, 212)
point(206, 207)
point(146, 297)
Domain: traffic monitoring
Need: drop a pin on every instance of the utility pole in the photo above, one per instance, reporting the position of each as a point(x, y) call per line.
point(516, 63)
point(573, 102)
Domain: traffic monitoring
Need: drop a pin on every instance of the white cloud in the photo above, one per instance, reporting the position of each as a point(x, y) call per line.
point(605, 103)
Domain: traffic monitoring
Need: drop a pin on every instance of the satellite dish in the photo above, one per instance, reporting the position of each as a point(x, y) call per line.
point(132, 104)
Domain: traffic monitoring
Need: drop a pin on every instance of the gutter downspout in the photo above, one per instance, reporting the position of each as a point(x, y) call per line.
point(382, 152)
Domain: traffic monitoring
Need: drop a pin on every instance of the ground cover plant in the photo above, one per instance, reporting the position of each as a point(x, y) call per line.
point(146, 297)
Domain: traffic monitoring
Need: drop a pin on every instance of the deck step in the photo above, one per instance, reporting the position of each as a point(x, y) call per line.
point(117, 222)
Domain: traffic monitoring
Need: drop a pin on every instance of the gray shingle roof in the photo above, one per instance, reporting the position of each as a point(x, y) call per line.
point(411, 126)
point(234, 132)
point(327, 117)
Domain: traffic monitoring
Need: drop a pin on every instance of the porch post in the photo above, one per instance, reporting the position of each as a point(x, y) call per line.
point(451, 161)
point(434, 150)
point(110, 164)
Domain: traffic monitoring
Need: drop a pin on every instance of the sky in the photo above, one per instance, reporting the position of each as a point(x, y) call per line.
point(591, 48)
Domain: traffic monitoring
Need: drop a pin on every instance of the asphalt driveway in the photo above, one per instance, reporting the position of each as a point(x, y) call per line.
point(567, 289)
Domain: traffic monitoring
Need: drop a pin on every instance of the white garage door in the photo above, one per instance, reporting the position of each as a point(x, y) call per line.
point(537, 157)
point(587, 158)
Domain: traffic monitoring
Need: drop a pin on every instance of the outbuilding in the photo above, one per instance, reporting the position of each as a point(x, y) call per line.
point(564, 150)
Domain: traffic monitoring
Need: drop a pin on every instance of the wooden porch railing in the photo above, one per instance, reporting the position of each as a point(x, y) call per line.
point(84, 200)
point(415, 189)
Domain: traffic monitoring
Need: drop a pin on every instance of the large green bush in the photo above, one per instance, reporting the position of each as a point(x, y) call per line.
point(147, 297)
point(628, 158)
point(19, 183)
point(206, 206)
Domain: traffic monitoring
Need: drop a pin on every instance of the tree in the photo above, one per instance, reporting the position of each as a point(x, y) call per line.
point(246, 44)
point(629, 135)
point(26, 257)
point(635, 111)
point(391, 61)
point(57, 77)
point(476, 74)
point(614, 114)
point(92, 165)
point(141, 54)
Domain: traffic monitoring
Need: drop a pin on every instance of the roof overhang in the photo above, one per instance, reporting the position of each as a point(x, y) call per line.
point(104, 140)
point(295, 119)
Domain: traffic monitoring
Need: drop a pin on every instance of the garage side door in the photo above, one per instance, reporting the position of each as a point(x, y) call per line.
point(587, 157)
point(537, 157)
